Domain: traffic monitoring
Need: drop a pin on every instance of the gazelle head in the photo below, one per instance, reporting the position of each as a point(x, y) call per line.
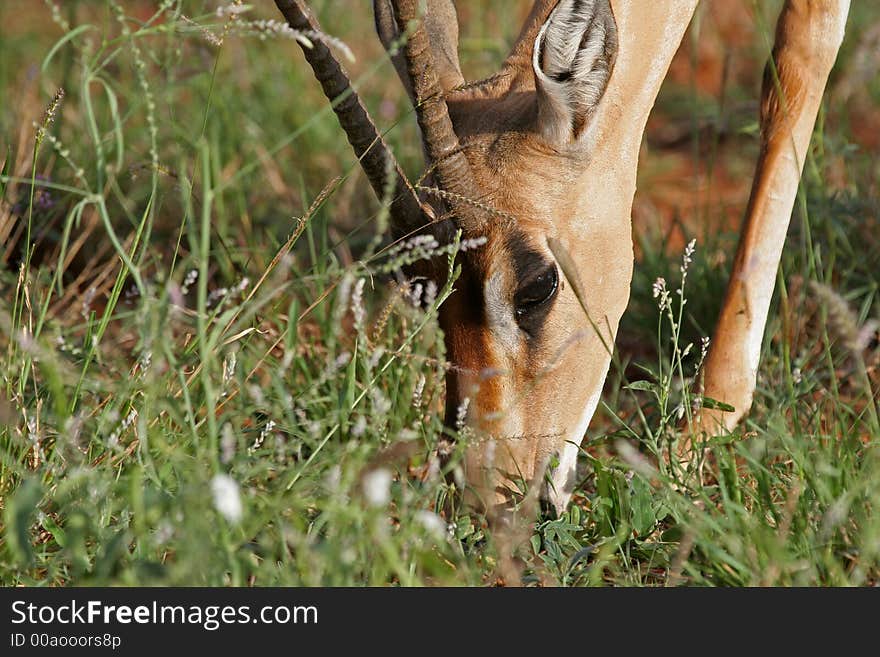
point(539, 160)
point(528, 362)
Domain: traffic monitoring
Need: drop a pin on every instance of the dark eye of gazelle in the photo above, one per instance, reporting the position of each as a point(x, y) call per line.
point(536, 291)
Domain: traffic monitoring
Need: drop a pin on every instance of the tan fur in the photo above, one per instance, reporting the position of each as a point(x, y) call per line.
point(808, 35)
point(571, 200)
point(582, 199)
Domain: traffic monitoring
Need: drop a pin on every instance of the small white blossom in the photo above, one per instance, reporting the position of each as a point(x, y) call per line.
point(659, 289)
point(360, 427)
point(270, 426)
point(343, 294)
point(376, 356)
point(216, 295)
point(430, 293)
point(433, 523)
point(417, 391)
point(227, 499)
point(26, 341)
point(381, 405)
point(227, 444)
point(113, 438)
point(256, 393)
point(377, 487)
point(461, 413)
point(190, 278)
point(145, 360)
point(415, 295)
point(229, 367)
point(422, 241)
point(658, 286)
point(687, 259)
point(87, 300)
point(472, 243)
point(866, 335)
point(340, 361)
point(634, 459)
point(334, 478)
point(357, 304)
point(163, 534)
point(232, 10)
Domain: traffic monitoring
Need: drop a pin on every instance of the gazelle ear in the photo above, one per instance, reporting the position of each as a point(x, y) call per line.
point(572, 60)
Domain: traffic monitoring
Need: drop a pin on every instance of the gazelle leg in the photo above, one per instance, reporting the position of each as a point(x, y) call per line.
point(808, 36)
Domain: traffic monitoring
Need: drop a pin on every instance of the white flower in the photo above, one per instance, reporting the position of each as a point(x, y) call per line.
point(430, 293)
point(634, 459)
point(333, 478)
point(415, 295)
point(232, 10)
point(417, 391)
point(461, 413)
point(381, 405)
point(340, 362)
point(190, 278)
point(26, 341)
point(256, 394)
point(689, 252)
point(357, 304)
point(360, 426)
point(377, 487)
point(227, 444)
point(229, 367)
point(472, 243)
point(377, 354)
point(658, 286)
point(433, 523)
point(659, 289)
point(87, 300)
point(227, 499)
point(264, 433)
point(163, 534)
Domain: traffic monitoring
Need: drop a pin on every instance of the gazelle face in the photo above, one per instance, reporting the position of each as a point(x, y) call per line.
point(531, 325)
point(540, 160)
point(528, 361)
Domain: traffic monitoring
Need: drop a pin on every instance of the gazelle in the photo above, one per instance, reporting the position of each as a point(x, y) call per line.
point(540, 159)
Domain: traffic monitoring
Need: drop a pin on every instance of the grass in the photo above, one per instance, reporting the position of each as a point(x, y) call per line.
point(211, 375)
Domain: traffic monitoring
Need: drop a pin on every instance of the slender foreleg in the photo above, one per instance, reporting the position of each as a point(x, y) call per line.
point(808, 36)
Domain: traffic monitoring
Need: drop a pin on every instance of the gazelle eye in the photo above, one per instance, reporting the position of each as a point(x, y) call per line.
point(536, 291)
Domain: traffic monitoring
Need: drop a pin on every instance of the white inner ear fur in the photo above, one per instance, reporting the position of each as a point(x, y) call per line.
point(572, 61)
